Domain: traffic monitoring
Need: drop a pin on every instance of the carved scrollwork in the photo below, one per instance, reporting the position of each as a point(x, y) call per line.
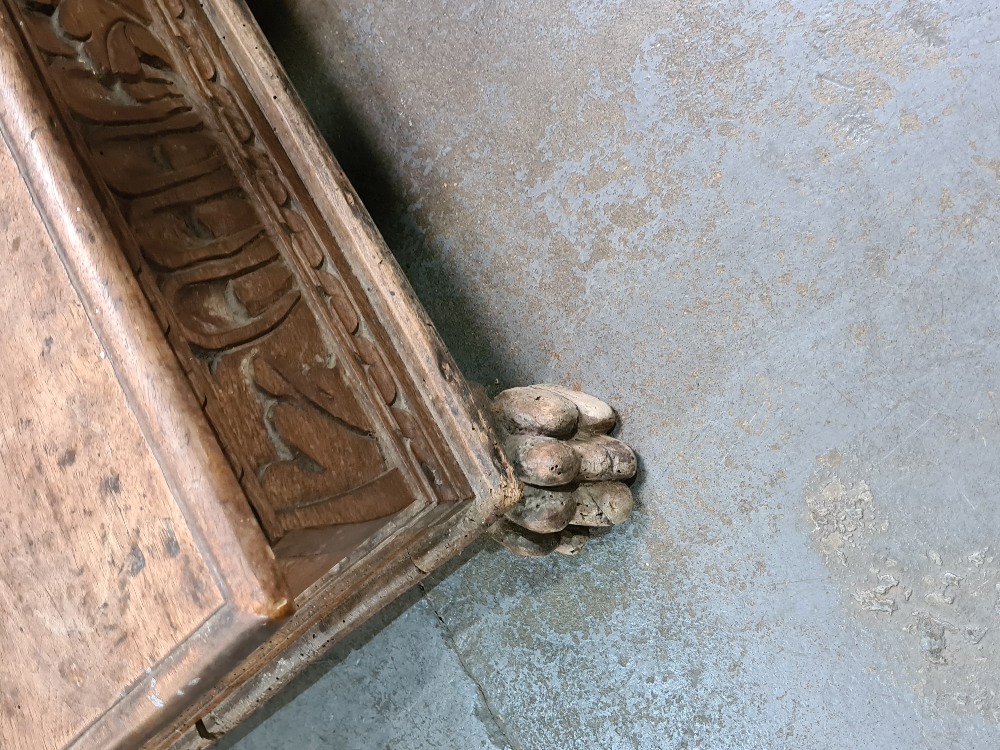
point(233, 267)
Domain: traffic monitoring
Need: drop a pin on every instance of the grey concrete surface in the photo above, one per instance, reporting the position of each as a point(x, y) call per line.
point(397, 687)
point(767, 234)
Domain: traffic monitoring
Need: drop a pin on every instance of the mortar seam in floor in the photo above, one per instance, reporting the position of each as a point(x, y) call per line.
point(497, 719)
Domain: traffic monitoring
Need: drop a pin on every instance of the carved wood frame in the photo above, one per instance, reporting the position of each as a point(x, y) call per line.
point(139, 120)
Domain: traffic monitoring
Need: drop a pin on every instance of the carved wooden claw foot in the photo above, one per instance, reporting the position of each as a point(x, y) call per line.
point(574, 474)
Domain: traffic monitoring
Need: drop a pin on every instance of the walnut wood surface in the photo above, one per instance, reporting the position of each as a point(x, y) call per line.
point(350, 603)
point(261, 347)
point(92, 542)
point(270, 328)
point(104, 584)
point(406, 332)
point(109, 469)
point(374, 575)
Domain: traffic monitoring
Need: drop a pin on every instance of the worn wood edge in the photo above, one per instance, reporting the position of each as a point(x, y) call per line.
point(421, 556)
point(166, 690)
point(200, 478)
point(425, 356)
point(346, 589)
point(194, 15)
point(407, 518)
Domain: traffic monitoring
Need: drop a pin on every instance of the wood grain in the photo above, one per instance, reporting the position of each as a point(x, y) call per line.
point(259, 339)
point(406, 332)
point(171, 479)
point(101, 575)
point(147, 370)
point(249, 292)
point(350, 594)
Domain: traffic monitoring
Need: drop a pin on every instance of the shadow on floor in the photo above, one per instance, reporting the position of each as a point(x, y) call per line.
point(329, 102)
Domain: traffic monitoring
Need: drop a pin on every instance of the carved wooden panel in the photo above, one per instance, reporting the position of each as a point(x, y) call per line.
point(310, 404)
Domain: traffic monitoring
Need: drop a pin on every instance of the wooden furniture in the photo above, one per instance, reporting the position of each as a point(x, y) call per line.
point(228, 431)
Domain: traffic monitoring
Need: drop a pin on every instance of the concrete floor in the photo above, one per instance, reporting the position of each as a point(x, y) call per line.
point(767, 234)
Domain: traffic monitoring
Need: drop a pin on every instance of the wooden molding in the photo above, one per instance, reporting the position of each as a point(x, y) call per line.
point(314, 411)
point(300, 446)
point(292, 403)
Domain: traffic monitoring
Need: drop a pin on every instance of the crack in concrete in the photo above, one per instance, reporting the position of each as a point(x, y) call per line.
point(498, 730)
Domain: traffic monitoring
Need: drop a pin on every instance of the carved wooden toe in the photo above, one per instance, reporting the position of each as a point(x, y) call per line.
point(574, 473)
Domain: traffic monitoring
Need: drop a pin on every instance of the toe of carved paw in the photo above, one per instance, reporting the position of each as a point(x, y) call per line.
point(573, 472)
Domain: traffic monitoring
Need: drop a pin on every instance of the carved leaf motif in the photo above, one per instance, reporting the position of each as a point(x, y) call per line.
point(224, 273)
point(212, 319)
point(326, 454)
point(115, 35)
point(325, 388)
point(91, 100)
point(123, 57)
point(45, 36)
point(145, 48)
point(148, 91)
point(132, 175)
point(83, 19)
point(260, 289)
point(269, 380)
